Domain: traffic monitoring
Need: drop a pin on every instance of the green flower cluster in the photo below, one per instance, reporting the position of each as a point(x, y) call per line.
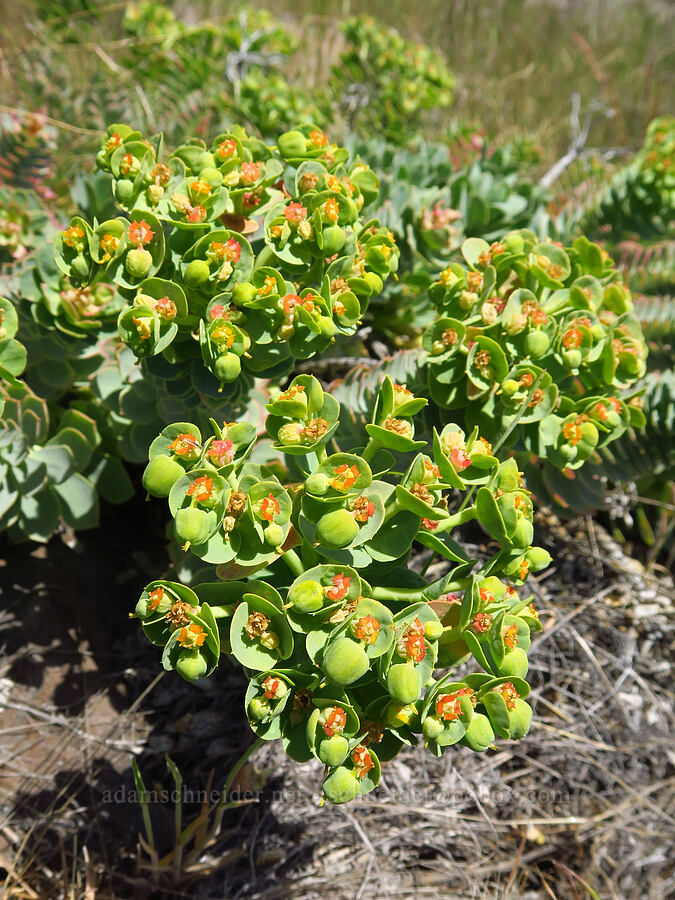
point(340, 657)
point(534, 334)
point(178, 270)
point(385, 83)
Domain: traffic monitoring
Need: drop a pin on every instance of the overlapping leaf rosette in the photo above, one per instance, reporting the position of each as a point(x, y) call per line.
point(53, 466)
point(534, 334)
point(305, 581)
point(236, 258)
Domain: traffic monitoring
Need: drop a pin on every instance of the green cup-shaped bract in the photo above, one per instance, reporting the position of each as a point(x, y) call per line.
point(345, 661)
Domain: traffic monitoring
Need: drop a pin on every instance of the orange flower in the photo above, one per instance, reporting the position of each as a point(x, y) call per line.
point(509, 693)
point(196, 214)
point(459, 458)
point(345, 477)
point(295, 213)
point(269, 508)
point(166, 308)
point(126, 163)
point(363, 509)
point(481, 622)
point(366, 629)
point(72, 235)
point(511, 637)
point(201, 489)
point(250, 172)
point(185, 444)
point(192, 636)
point(318, 138)
point(340, 587)
point(226, 148)
point(335, 722)
point(332, 210)
point(572, 339)
point(155, 597)
point(448, 707)
point(362, 760)
point(140, 233)
point(109, 244)
point(221, 452)
point(271, 686)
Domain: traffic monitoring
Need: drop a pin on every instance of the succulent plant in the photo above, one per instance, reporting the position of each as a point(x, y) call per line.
point(534, 334)
point(341, 652)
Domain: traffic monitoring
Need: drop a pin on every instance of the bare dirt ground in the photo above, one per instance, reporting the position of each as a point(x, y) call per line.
point(582, 807)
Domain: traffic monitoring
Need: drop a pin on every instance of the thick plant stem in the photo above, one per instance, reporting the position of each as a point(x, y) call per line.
point(410, 595)
point(464, 515)
point(293, 561)
point(370, 449)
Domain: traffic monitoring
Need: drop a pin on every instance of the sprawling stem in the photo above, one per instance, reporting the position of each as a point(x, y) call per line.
point(293, 561)
point(464, 515)
point(410, 595)
point(370, 449)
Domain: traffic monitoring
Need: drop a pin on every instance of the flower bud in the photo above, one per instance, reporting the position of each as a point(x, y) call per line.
point(227, 367)
point(536, 344)
point(306, 597)
point(404, 683)
point(345, 661)
point(138, 262)
point(334, 238)
point(291, 434)
point(520, 719)
point(155, 193)
point(515, 323)
point(432, 630)
point(515, 663)
point(509, 387)
point(523, 533)
point(273, 534)
point(191, 665)
point(333, 751)
point(572, 359)
point(160, 475)
point(259, 709)
point(269, 640)
point(538, 558)
point(292, 144)
point(432, 727)
point(341, 786)
point(316, 483)
point(337, 528)
point(80, 267)
point(192, 525)
point(479, 735)
point(124, 190)
point(197, 273)
point(243, 293)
